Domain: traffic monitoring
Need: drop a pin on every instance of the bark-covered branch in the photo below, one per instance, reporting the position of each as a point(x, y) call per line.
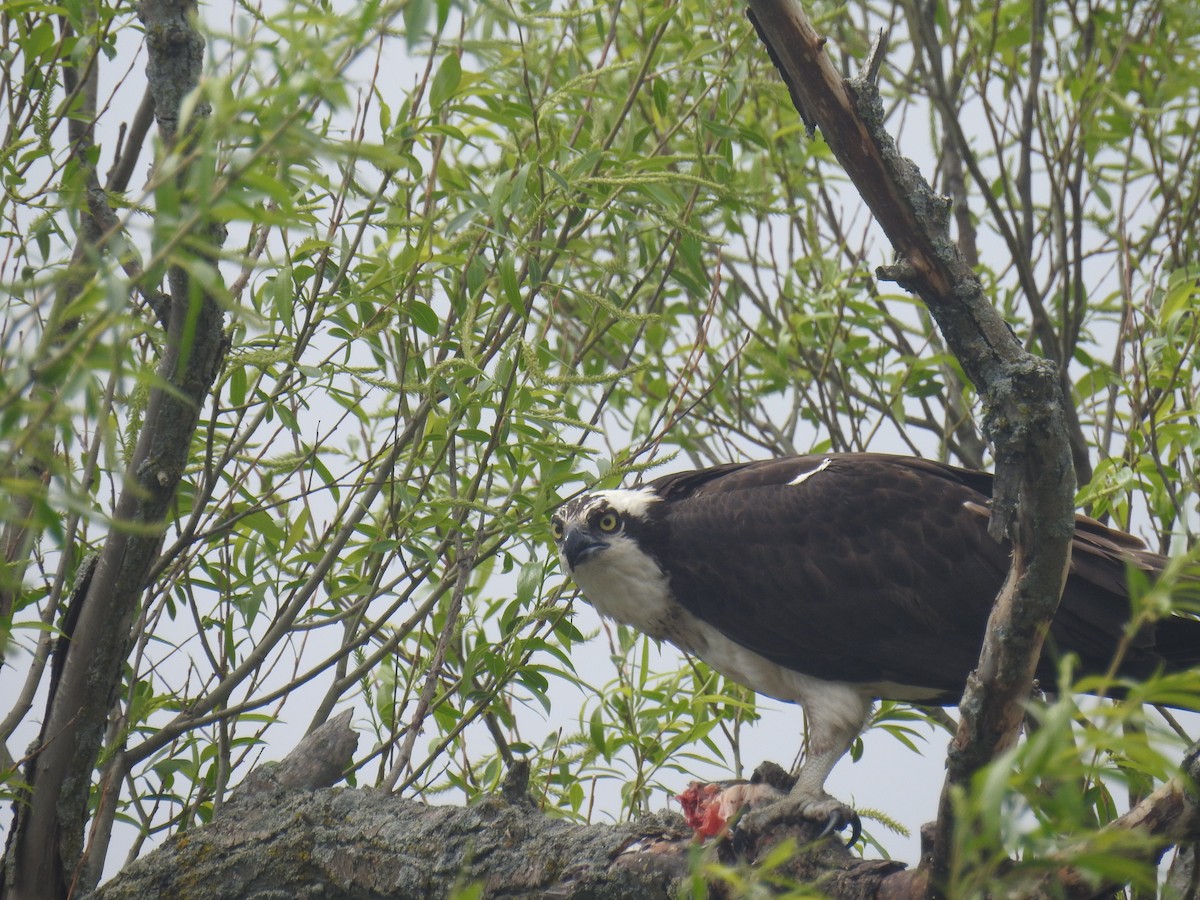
point(1023, 405)
point(282, 835)
point(367, 844)
point(285, 833)
point(1169, 816)
point(45, 856)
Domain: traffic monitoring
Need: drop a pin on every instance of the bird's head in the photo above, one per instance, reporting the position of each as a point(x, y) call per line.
point(598, 525)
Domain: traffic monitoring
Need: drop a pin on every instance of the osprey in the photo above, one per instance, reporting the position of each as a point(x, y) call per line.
point(836, 580)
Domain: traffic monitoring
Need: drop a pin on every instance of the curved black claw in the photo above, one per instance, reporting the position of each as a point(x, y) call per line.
point(839, 820)
point(823, 811)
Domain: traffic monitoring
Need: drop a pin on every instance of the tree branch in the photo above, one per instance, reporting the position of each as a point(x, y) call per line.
point(1023, 406)
point(286, 832)
point(46, 846)
point(1169, 816)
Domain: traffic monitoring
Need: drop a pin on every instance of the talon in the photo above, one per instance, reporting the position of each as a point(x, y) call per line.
point(855, 830)
point(827, 813)
point(837, 823)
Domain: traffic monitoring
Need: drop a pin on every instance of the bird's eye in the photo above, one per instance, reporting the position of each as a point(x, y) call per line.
point(556, 529)
point(608, 522)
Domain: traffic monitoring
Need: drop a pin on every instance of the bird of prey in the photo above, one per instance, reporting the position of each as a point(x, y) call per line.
point(835, 580)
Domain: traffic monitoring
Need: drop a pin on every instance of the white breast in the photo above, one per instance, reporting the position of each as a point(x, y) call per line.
point(625, 584)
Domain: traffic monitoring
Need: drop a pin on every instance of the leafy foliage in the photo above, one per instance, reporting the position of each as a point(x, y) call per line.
point(482, 257)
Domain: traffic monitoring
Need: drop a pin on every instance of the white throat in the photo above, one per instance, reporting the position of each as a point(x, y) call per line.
point(627, 585)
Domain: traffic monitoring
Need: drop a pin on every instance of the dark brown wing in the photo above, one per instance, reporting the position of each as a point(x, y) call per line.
point(868, 570)
point(878, 568)
point(1095, 611)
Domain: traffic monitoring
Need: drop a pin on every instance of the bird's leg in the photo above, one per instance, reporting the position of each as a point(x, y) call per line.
point(808, 799)
point(830, 734)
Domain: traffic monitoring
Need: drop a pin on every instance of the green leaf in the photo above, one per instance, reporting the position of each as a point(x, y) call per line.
point(529, 579)
point(446, 81)
point(421, 315)
point(509, 285)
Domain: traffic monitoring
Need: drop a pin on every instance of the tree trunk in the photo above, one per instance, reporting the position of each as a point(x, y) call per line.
point(286, 833)
point(45, 854)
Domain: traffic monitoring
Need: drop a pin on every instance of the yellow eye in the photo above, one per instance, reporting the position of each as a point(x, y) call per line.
point(608, 522)
point(556, 529)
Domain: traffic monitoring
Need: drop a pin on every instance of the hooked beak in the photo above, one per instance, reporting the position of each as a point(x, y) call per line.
point(579, 546)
